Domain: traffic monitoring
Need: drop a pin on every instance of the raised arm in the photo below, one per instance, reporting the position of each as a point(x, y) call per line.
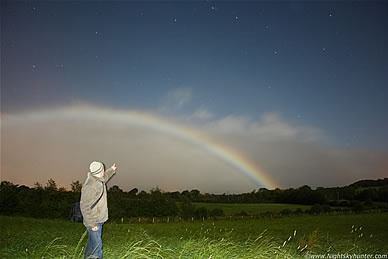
point(110, 172)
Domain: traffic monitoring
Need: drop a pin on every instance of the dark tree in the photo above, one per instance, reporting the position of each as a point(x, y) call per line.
point(51, 185)
point(76, 186)
point(187, 209)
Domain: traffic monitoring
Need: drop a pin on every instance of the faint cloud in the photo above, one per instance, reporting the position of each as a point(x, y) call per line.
point(202, 114)
point(175, 100)
point(268, 126)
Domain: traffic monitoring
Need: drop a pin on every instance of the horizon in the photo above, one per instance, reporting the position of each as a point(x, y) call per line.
point(43, 185)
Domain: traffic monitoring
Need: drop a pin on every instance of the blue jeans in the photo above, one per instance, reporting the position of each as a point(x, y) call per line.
point(93, 249)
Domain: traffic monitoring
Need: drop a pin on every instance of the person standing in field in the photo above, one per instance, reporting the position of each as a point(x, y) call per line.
point(94, 206)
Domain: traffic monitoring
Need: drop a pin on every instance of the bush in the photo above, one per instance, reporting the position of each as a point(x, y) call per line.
point(285, 212)
point(187, 209)
point(357, 206)
point(217, 212)
point(201, 213)
point(242, 213)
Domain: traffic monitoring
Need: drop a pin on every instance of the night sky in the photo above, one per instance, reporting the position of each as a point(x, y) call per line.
point(298, 88)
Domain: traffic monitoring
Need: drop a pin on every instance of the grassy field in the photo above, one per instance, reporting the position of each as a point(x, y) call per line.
point(251, 209)
point(289, 237)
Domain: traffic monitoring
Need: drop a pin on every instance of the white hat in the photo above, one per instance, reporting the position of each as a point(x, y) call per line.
point(96, 167)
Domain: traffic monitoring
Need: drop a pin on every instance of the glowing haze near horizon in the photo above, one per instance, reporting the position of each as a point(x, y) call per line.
point(294, 92)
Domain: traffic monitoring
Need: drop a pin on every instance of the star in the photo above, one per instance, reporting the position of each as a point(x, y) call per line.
point(96, 32)
point(275, 52)
point(33, 66)
point(175, 20)
point(236, 17)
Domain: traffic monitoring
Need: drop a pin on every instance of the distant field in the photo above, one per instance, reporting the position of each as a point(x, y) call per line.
point(251, 209)
point(289, 237)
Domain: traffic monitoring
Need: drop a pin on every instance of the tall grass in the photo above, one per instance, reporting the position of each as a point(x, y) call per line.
point(142, 245)
point(33, 238)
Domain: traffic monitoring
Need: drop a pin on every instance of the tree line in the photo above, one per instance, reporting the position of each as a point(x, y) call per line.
point(49, 201)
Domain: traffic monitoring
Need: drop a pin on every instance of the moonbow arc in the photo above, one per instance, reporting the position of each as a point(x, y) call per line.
point(154, 122)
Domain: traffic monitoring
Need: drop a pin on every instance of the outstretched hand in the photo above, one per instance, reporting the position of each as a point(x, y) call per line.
point(114, 167)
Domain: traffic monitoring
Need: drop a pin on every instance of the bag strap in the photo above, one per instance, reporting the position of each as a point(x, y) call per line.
point(94, 204)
